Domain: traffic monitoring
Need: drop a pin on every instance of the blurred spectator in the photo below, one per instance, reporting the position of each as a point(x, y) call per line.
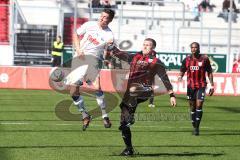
point(205, 6)
point(105, 3)
point(226, 5)
point(139, 3)
point(226, 10)
point(95, 3)
point(119, 2)
point(236, 65)
point(98, 5)
point(192, 6)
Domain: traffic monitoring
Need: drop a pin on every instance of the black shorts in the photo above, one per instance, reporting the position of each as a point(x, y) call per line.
point(133, 99)
point(130, 103)
point(196, 94)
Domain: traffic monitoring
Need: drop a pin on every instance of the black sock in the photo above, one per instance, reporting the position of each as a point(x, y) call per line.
point(198, 117)
point(127, 136)
point(193, 117)
point(151, 99)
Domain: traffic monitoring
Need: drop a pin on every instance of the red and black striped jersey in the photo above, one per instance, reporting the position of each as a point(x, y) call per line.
point(196, 69)
point(143, 68)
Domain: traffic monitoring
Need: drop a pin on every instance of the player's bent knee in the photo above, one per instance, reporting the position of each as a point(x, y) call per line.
point(74, 91)
point(140, 91)
point(132, 89)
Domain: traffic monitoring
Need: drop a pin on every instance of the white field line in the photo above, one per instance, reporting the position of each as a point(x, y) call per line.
point(94, 125)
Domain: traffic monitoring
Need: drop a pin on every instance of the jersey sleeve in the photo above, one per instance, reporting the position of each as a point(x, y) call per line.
point(125, 56)
point(208, 66)
point(161, 72)
point(82, 29)
point(183, 68)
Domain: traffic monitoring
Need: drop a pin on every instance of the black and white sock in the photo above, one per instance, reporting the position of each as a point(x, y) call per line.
point(193, 117)
point(79, 102)
point(199, 113)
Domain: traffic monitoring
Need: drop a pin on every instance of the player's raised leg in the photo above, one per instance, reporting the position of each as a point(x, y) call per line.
point(79, 102)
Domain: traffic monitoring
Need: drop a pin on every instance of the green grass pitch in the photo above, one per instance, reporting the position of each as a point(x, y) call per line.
point(30, 130)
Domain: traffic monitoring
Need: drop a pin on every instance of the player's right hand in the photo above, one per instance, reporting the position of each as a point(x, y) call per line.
point(211, 91)
point(80, 54)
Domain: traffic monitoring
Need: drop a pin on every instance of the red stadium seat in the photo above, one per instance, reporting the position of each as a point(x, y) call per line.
point(4, 22)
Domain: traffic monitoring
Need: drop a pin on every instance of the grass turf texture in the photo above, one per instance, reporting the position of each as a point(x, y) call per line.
point(30, 130)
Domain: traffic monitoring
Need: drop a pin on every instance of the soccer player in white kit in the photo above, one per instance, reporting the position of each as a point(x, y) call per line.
point(90, 42)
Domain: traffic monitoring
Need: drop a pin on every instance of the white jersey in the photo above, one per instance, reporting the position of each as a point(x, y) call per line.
point(94, 38)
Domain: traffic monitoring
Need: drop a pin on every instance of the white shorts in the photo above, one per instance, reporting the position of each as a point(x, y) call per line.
point(83, 70)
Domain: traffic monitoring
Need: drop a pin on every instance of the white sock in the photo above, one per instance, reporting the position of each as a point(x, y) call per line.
point(101, 103)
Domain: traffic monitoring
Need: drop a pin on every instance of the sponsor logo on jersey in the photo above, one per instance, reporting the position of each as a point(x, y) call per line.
point(194, 68)
point(93, 40)
point(142, 63)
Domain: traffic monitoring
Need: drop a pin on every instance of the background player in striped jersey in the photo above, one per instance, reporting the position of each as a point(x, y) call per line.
point(196, 66)
point(143, 68)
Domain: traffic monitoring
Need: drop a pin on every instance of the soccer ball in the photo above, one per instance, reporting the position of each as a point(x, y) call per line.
point(57, 74)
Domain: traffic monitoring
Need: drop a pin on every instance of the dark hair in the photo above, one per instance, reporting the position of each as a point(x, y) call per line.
point(153, 42)
point(110, 12)
point(197, 46)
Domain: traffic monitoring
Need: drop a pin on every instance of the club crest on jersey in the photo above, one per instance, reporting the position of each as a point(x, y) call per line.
point(200, 64)
point(150, 60)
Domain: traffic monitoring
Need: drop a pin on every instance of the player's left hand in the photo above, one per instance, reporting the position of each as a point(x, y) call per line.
point(180, 79)
point(173, 101)
point(211, 91)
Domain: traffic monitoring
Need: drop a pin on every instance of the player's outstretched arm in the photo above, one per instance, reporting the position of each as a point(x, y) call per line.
point(112, 50)
point(211, 90)
point(209, 70)
point(161, 72)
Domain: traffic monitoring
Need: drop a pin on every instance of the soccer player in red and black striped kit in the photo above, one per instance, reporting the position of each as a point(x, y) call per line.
point(196, 66)
point(143, 68)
